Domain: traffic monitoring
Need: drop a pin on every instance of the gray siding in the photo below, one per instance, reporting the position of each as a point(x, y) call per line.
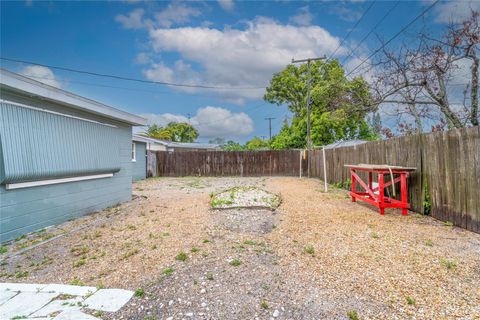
point(28, 209)
point(139, 167)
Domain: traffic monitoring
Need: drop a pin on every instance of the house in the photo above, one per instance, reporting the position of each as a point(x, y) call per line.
point(163, 145)
point(61, 155)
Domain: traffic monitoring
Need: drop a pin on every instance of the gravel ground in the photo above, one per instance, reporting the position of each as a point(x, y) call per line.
point(317, 256)
point(244, 197)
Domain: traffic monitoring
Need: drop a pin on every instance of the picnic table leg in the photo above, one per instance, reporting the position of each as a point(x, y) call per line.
point(370, 184)
point(381, 194)
point(353, 184)
point(403, 186)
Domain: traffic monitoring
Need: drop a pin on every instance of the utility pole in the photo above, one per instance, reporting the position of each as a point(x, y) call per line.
point(270, 126)
point(309, 146)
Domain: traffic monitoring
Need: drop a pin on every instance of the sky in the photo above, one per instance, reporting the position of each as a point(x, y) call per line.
point(233, 46)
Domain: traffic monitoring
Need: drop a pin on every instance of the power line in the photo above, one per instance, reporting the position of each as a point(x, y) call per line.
point(351, 30)
point(394, 37)
point(91, 73)
point(371, 31)
point(112, 87)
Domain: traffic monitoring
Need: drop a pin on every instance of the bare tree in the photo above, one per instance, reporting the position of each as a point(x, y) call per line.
point(419, 79)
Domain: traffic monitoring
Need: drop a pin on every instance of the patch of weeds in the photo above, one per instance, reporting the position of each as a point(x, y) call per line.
point(97, 234)
point(309, 250)
point(209, 276)
point(80, 250)
point(218, 202)
point(3, 249)
point(194, 249)
point(235, 262)
point(20, 238)
point(79, 263)
point(131, 227)
point(77, 282)
point(375, 235)
point(18, 317)
point(264, 304)
point(64, 296)
point(21, 274)
point(206, 241)
point(182, 256)
point(128, 254)
point(429, 243)
point(166, 234)
point(100, 286)
point(98, 314)
point(168, 271)
point(448, 224)
point(449, 264)
point(139, 292)
point(353, 315)
point(154, 247)
point(149, 318)
point(410, 300)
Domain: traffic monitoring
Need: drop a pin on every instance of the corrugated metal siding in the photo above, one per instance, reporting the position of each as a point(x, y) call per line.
point(139, 167)
point(30, 209)
point(37, 145)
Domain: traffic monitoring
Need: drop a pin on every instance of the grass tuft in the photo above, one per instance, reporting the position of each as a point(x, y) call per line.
point(182, 256)
point(309, 250)
point(235, 262)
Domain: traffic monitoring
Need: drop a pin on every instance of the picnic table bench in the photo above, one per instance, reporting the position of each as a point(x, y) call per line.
point(376, 195)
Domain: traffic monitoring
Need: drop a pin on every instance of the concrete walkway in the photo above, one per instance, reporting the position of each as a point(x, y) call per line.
point(58, 301)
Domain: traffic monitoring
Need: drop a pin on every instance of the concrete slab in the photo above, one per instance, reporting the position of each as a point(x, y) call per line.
point(110, 300)
point(69, 289)
point(6, 295)
point(59, 305)
point(28, 287)
point(74, 315)
point(25, 303)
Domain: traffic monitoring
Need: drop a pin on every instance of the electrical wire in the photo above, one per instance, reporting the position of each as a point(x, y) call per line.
point(370, 32)
point(105, 75)
point(351, 30)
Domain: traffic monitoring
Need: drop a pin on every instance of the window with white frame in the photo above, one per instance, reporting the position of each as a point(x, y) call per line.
point(134, 152)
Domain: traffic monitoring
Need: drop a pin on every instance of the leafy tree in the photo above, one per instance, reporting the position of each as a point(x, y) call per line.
point(182, 132)
point(232, 146)
point(158, 132)
point(256, 144)
point(174, 131)
point(338, 105)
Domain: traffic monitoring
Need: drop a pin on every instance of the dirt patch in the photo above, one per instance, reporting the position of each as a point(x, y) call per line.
point(319, 256)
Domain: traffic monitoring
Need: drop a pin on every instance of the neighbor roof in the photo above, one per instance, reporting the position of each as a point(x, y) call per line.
point(349, 143)
point(171, 144)
point(19, 83)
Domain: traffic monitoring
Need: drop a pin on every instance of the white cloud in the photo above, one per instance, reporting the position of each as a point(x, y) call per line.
point(41, 74)
point(455, 11)
point(176, 13)
point(142, 58)
point(303, 18)
point(210, 122)
point(227, 5)
point(134, 20)
point(236, 57)
point(346, 13)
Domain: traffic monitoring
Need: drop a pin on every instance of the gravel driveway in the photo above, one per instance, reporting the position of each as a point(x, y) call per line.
point(317, 256)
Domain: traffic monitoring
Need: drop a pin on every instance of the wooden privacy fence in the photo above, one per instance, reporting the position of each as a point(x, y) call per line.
point(446, 182)
point(228, 163)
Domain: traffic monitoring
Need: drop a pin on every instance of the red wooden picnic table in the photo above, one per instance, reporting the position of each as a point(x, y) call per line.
point(376, 195)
